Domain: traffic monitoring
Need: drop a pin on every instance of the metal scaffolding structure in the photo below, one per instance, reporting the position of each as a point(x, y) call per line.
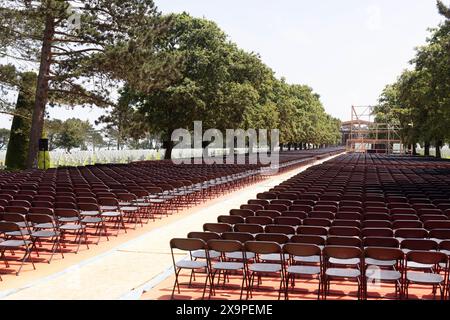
point(363, 135)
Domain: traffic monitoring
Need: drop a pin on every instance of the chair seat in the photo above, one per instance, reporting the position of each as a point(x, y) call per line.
point(18, 233)
point(345, 262)
point(71, 227)
point(424, 278)
point(386, 275)
point(91, 220)
point(228, 266)
point(273, 257)
point(44, 226)
point(381, 263)
point(201, 254)
point(191, 264)
point(142, 204)
point(343, 273)
point(130, 209)
point(69, 219)
point(156, 200)
point(416, 265)
point(112, 214)
point(265, 267)
point(108, 208)
point(240, 256)
point(44, 234)
point(312, 259)
point(303, 270)
point(14, 243)
point(90, 213)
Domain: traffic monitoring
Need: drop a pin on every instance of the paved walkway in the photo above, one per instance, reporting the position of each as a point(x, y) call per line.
point(139, 263)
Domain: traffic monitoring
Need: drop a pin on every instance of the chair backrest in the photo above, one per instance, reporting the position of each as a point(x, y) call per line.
point(377, 232)
point(238, 236)
point(441, 234)
point(309, 239)
point(249, 228)
point(262, 247)
point(384, 254)
point(225, 246)
point(344, 231)
point(342, 252)
point(302, 250)
point(6, 226)
point(295, 214)
point(242, 213)
point(427, 257)
point(288, 230)
point(268, 213)
point(40, 218)
point(252, 207)
point(39, 210)
point(419, 244)
point(411, 233)
point(66, 213)
point(344, 241)
point(13, 217)
point(230, 219)
point(405, 224)
point(272, 237)
point(346, 223)
point(288, 221)
point(276, 207)
point(317, 222)
point(188, 244)
point(217, 227)
point(315, 231)
point(205, 236)
point(381, 242)
point(108, 202)
point(259, 220)
point(88, 206)
point(13, 209)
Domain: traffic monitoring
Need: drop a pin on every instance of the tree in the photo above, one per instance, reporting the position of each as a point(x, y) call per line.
point(4, 138)
point(220, 84)
point(52, 128)
point(420, 99)
point(81, 47)
point(124, 122)
point(73, 134)
point(16, 154)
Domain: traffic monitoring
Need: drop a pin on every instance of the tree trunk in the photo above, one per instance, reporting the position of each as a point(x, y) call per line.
point(289, 147)
point(281, 147)
point(414, 149)
point(37, 123)
point(438, 149)
point(168, 146)
point(427, 149)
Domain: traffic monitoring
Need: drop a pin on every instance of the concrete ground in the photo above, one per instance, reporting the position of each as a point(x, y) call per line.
point(126, 266)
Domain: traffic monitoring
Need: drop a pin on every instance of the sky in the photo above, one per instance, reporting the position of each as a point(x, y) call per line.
point(346, 50)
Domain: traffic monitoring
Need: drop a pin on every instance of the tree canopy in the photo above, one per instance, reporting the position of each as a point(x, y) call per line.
point(228, 88)
point(419, 101)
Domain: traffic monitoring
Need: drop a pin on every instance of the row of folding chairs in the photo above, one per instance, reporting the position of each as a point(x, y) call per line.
point(285, 260)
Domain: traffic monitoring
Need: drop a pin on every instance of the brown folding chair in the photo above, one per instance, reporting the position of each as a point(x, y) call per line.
point(260, 269)
point(224, 266)
point(384, 265)
point(14, 243)
point(332, 273)
point(296, 269)
point(189, 245)
point(430, 274)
